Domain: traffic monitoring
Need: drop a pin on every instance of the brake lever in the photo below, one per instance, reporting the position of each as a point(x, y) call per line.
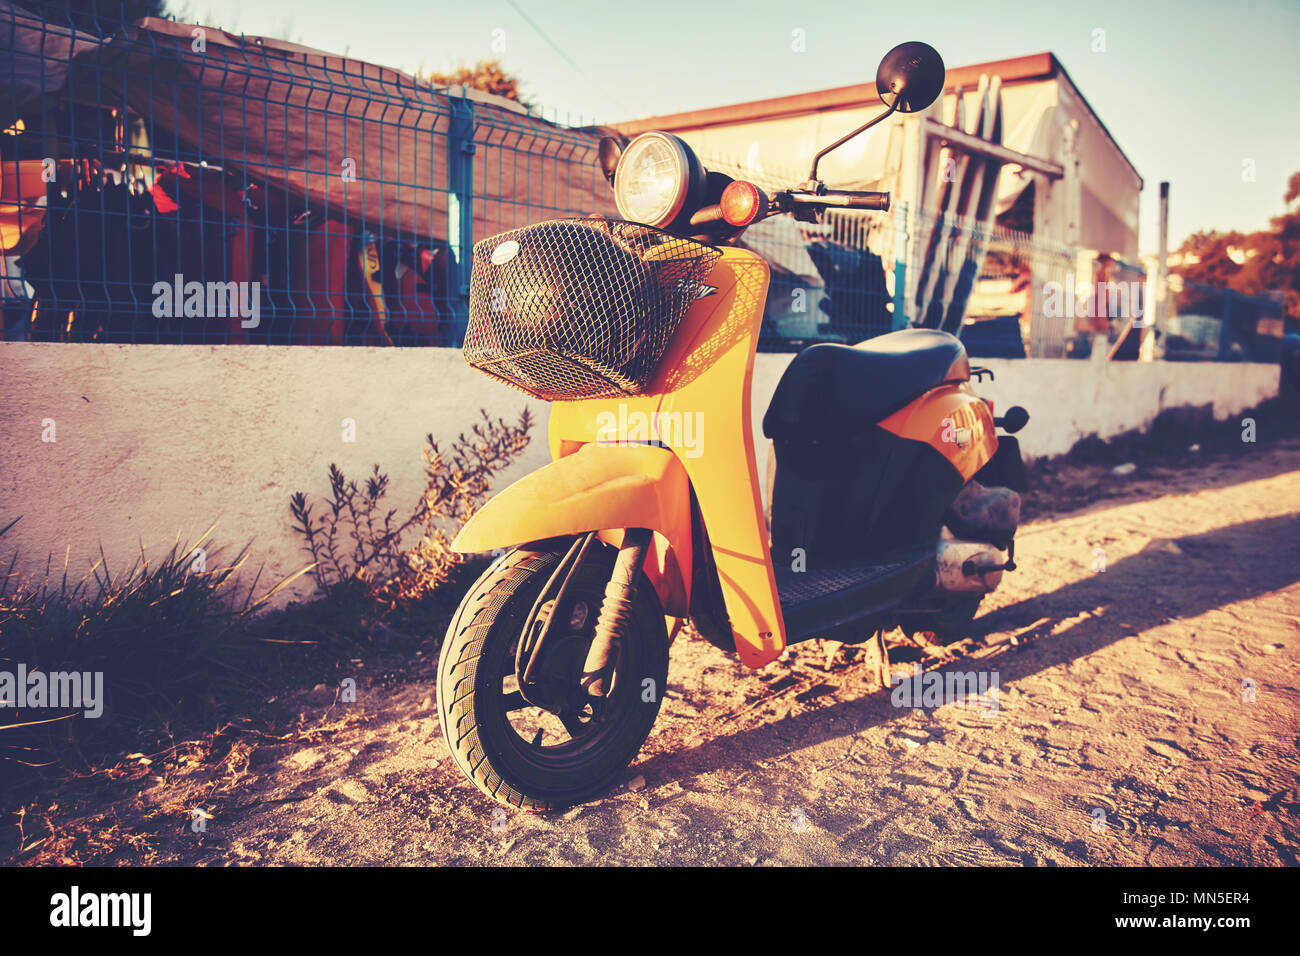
point(811, 198)
point(800, 205)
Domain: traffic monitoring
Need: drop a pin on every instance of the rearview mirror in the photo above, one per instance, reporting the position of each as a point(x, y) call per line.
point(910, 77)
point(611, 151)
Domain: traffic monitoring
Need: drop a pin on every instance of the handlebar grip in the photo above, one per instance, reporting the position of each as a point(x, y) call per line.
point(834, 198)
point(856, 199)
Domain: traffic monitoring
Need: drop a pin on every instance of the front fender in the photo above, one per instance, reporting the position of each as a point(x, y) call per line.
point(603, 488)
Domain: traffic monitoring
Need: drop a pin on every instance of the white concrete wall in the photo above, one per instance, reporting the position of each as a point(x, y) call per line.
point(1068, 399)
point(152, 441)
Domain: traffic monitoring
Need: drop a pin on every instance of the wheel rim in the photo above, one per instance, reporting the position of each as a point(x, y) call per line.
point(588, 727)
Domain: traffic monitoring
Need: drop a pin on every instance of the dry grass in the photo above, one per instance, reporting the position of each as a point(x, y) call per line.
point(180, 643)
point(174, 639)
point(356, 546)
point(194, 675)
point(140, 808)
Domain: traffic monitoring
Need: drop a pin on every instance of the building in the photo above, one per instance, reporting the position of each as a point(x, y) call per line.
point(1064, 186)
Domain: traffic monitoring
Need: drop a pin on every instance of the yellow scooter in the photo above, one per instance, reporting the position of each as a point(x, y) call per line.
point(892, 502)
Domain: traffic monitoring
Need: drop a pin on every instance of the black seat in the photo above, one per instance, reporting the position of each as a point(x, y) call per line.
point(828, 388)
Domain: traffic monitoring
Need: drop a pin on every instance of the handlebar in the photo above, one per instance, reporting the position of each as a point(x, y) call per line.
point(805, 203)
point(707, 214)
point(838, 198)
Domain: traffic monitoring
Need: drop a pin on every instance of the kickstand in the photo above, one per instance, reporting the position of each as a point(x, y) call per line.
point(882, 658)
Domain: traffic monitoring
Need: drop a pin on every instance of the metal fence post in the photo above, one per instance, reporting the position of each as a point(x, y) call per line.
point(460, 209)
point(1225, 326)
point(902, 248)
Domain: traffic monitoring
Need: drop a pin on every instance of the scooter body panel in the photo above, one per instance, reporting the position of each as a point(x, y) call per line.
point(599, 488)
point(702, 392)
point(954, 421)
point(635, 460)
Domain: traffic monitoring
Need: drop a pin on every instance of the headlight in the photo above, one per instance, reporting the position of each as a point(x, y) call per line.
point(655, 175)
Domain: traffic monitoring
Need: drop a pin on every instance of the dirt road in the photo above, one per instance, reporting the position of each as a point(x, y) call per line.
point(1146, 713)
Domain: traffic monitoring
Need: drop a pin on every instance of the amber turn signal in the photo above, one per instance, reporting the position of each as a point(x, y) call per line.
point(742, 203)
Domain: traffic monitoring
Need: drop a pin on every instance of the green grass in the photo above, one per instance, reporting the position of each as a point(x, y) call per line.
point(176, 639)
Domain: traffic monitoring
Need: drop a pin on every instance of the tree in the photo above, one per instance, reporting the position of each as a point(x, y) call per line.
point(1273, 256)
point(97, 17)
point(485, 75)
point(1251, 263)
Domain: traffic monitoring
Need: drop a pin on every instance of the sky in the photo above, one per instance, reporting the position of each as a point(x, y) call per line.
point(1205, 95)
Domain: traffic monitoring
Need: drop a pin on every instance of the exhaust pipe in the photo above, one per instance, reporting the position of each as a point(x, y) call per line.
point(969, 566)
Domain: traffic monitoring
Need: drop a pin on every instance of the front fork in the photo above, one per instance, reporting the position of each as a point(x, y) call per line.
point(615, 609)
point(597, 678)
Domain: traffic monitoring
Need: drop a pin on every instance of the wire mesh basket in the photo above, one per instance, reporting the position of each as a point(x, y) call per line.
point(580, 308)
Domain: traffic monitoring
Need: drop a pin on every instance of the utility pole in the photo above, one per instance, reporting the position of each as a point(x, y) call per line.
point(1158, 317)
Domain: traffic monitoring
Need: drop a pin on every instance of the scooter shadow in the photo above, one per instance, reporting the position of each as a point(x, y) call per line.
point(1217, 568)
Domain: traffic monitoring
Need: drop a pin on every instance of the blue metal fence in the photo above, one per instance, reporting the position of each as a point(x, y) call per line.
point(833, 281)
point(171, 183)
point(166, 183)
point(1213, 323)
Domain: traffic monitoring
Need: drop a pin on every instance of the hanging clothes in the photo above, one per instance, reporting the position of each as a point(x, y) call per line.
point(95, 263)
point(308, 265)
point(214, 222)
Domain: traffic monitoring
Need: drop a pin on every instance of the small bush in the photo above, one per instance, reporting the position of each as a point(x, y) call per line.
point(355, 544)
point(177, 640)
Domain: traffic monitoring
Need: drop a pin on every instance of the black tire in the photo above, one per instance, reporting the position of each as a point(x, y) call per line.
point(477, 662)
point(949, 625)
point(953, 623)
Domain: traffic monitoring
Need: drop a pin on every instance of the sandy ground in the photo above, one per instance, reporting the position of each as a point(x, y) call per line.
point(1123, 732)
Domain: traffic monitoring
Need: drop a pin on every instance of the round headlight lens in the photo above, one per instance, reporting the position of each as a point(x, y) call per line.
point(652, 180)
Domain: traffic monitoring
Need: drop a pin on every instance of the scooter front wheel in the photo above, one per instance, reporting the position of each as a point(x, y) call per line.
point(547, 758)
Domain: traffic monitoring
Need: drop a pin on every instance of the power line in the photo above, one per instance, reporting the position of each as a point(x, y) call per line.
point(564, 56)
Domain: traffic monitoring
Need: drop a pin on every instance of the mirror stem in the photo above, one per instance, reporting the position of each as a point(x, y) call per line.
point(844, 139)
